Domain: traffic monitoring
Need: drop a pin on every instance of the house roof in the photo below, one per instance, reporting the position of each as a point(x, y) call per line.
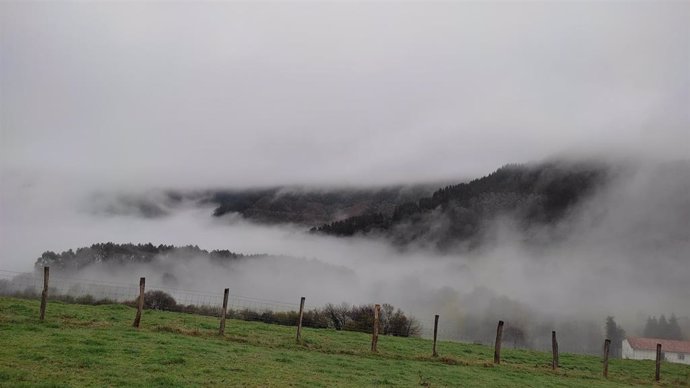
point(666, 345)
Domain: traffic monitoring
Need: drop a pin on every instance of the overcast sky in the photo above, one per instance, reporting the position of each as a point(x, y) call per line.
point(138, 95)
point(238, 94)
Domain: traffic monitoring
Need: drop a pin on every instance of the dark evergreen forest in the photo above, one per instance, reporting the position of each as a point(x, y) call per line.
point(530, 195)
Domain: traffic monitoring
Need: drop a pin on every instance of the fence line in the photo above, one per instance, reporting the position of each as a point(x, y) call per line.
point(193, 301)
point(89, 291)
point(28, 283)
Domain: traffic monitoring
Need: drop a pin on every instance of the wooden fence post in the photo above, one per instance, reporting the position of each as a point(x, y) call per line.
point(497, 345)
point(299, 320)
point(140, 304)
point(44, 294)
point(554, 350)
point(224, 312)
point(607, 347)
point(435, 354)
point(657, 373)
point(375, 334)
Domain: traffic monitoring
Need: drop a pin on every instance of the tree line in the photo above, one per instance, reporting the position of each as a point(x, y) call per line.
point(125, 254)
point(347, 317)
point(311, 206)
point(531, 194)
point(662, 328)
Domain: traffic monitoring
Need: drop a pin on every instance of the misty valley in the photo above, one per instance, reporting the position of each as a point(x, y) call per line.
point(350, 193)
point(576, 247)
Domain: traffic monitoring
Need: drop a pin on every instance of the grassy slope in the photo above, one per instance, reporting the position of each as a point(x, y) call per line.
point(96, 346)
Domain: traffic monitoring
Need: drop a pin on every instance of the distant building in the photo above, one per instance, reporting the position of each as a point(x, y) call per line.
point(645, 349)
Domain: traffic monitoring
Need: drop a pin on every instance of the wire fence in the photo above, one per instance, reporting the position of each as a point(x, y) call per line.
point(376, 319)
point(28, 284)
point(201, 303)
point(31, 284)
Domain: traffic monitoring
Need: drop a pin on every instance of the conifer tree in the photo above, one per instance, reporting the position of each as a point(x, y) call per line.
point(674, 331)
point(651, 329)
point(616, 334)
point(662, 329)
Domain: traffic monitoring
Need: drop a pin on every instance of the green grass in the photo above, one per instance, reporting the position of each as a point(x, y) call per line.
point(81, 345)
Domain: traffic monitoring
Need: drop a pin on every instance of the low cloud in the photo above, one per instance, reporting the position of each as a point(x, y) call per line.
point(622, 252)
point(116, 98)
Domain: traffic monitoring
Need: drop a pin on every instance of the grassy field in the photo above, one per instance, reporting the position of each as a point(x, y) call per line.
point(81, 345)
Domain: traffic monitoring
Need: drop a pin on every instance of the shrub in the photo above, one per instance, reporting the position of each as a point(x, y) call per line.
point(396, 323)
point(159, 300)
point(85, 299)
point(336, 316)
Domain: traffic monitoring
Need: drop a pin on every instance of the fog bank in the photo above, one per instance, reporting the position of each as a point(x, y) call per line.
point(623, 252)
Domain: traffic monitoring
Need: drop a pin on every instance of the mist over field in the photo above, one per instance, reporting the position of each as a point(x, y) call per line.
point(621, 252)
point(119, 126)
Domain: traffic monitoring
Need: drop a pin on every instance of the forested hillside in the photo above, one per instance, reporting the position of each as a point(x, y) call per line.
point(313, 206)
point(122, 254)
point(306, 206)
point(531, 195)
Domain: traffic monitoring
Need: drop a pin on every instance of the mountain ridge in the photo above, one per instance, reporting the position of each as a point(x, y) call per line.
point(537, 194)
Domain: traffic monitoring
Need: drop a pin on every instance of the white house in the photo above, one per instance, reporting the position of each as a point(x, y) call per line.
point(645, 349)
